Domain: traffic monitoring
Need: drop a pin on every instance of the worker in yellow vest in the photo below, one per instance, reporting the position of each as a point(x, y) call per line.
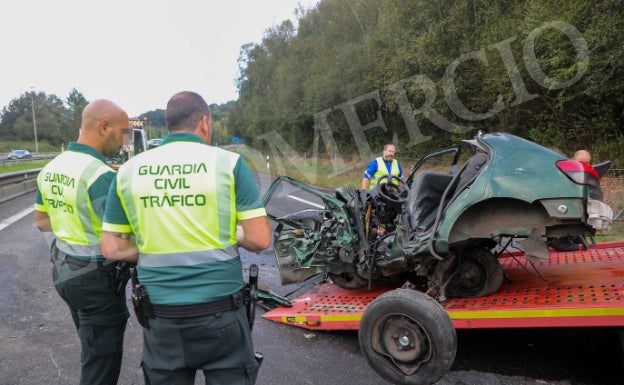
point(381, 166)
point(71, 194)
point(174, 210)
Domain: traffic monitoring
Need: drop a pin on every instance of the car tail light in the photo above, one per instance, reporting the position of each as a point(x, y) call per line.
point(579, 172)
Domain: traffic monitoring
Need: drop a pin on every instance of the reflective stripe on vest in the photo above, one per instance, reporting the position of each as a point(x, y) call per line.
point(64, 184)
point(189, 258)
point(78, 250)
point(181, 205)
point(383, 170)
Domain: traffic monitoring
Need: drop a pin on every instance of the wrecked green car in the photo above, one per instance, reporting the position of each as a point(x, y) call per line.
point(444, 227)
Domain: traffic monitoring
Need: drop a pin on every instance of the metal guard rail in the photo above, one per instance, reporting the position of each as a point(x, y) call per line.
point(14, 184)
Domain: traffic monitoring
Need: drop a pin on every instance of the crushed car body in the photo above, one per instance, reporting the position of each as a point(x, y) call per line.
point(443, 229)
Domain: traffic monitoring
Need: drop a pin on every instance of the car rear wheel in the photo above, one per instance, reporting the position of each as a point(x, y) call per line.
point(407, 337)
point(477, 273)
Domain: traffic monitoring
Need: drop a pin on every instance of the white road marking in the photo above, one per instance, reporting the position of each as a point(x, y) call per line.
point(16, 217)
point(305, 201)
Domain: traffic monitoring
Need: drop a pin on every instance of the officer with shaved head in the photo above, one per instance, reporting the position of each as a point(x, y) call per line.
point(71, 195)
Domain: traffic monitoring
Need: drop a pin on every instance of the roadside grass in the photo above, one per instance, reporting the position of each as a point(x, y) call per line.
point(7, 146)
point(319, 172)
point(21, 165)
point(328, 174)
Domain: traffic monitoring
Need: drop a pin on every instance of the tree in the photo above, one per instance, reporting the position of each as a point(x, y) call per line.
point(76, 103)
point(56, 122)
point(155, 118)
point(17, 119)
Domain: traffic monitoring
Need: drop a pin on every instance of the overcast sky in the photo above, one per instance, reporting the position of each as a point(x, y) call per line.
point(135, 52)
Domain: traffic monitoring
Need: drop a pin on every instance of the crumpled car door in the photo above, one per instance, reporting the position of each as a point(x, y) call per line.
point(311, 227)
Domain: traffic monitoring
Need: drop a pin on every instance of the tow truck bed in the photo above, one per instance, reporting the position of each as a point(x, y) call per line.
point(580, 288)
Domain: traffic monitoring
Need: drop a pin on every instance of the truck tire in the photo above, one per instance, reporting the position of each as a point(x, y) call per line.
point(408, 338)
point(619, 332)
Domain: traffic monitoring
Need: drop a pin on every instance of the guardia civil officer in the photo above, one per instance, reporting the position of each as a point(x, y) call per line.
point(174, 210)
point(386, 164)
point(71, 195)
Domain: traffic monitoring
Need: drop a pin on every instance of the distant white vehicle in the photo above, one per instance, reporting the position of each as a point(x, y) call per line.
point(20, 154)
point(154, 143)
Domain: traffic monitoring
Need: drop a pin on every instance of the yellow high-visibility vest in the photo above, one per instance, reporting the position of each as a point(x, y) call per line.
point(383, 170)
point(64, 186)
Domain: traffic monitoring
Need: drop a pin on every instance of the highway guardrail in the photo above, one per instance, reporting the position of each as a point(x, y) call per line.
point(14, 184)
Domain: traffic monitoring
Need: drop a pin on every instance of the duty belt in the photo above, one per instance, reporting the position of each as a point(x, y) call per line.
point(201, 309)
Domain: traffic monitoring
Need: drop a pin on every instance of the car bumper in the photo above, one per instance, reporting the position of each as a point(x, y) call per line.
point(599, 214)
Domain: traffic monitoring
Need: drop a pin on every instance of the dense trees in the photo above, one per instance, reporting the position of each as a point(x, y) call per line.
point(55, 121)
point(426, 73)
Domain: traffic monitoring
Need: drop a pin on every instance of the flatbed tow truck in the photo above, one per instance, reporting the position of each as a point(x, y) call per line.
point(582, 288)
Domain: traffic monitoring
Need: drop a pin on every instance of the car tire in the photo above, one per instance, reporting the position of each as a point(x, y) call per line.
point(478, 274)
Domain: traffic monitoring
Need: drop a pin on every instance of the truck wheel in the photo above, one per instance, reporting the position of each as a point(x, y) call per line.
point(478, 274)
point(407, 337)
point(620, 337)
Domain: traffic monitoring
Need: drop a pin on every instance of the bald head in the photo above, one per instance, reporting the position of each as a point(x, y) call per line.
point(98, 110)
point(582, 156)
point(102, 126)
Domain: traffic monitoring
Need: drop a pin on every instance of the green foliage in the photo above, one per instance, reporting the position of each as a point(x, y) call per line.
point(76, 103)
point(220, 122)
point(56, 122)
point(344, 50)
point(155, 118)
point(156, 126)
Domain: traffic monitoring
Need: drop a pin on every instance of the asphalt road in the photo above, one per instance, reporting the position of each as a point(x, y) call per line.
point(40, 346)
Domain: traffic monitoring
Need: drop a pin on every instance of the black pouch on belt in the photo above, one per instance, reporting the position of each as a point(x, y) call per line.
point(140, 300)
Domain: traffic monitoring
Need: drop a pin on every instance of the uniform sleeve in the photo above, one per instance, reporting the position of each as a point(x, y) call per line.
point(39, 206)
point(115, 219)
point(370, 170)
point(400, 170)
point(248, 202)
point(99, 191)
